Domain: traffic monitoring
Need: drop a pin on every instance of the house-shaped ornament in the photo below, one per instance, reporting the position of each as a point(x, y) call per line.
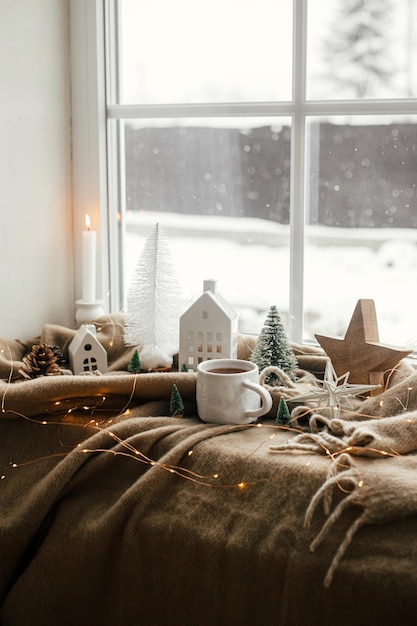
point(86, 353)
point(208, 329)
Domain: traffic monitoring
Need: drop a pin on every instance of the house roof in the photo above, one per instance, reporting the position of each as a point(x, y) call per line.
point(216, 299)
point(85, 333)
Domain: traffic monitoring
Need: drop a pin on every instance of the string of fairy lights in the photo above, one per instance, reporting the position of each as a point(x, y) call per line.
point(73, 413)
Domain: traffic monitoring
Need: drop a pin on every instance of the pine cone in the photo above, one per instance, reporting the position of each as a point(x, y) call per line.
point(41, 361)
point(59, 356)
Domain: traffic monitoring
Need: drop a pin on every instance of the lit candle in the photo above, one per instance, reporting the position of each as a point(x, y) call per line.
point(89, 262)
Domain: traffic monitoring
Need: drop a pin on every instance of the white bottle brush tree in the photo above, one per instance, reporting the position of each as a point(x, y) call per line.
point(153, 304)
point(272, 347)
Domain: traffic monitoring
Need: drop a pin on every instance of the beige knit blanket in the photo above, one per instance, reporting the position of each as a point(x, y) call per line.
point(112, 512)
point(111, 509)
point(382, 430)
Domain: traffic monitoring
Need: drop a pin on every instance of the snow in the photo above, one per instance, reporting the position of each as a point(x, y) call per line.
point(341, 266)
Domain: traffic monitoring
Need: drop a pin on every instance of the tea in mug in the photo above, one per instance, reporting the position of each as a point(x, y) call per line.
point(226, 370)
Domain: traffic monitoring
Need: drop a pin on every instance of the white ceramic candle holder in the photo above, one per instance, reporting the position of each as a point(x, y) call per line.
point(88, 311)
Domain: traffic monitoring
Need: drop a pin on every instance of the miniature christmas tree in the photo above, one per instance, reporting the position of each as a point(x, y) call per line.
point(134, 363)
point(176, 405)
point(272, 347)
point(283, 413)
point(153, 304)
point(184, 367)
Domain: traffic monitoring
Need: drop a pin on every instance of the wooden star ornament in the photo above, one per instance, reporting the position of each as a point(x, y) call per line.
point(360, 352)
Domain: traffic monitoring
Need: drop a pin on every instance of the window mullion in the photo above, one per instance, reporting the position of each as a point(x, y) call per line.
point(296, 309)
point(298, 176)
point(361, 107)
point(228, 109)
point(115, 163)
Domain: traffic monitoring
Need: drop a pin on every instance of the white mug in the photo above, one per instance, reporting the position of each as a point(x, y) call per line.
point(228, 392)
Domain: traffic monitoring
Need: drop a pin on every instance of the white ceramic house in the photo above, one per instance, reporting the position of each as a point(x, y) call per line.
point(86, 353)
point(208, 329)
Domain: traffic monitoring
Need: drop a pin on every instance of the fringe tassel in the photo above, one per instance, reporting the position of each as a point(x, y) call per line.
point(325, 493)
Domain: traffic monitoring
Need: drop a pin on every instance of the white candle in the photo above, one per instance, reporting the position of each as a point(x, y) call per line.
point(89, 263)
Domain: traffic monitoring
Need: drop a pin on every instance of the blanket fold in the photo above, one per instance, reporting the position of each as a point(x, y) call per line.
point(376, 437)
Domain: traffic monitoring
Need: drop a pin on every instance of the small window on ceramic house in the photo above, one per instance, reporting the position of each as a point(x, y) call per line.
point(205, 315)
point(90, 364)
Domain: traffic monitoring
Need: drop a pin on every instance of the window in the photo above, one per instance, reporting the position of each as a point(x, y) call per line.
point(90, 364)
point(279, 156)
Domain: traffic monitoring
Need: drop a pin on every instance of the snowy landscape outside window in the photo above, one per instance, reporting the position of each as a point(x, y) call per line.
point(276, 144)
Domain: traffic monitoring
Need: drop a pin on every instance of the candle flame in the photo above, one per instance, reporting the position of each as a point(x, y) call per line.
point(87, 222)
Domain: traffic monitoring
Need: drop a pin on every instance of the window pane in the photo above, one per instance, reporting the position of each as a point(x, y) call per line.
point(216, 51)
point(220, 190)
point(362, 49)
point(361, 232)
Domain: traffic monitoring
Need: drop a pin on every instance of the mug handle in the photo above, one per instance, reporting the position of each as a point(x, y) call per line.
point(265, 397)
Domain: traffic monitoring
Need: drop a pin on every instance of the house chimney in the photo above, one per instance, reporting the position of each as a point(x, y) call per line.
point(210, 285)
point(91, 328)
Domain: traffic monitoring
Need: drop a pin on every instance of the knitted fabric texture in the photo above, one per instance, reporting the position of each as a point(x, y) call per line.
point(370, 451)
point(373, 461)
point(382, 496)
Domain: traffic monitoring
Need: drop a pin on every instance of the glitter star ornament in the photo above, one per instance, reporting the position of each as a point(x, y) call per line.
point(333, 390)
point(360, 352)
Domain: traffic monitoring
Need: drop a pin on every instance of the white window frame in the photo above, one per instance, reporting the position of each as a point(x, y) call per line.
point(89, 140)
point(96, 159)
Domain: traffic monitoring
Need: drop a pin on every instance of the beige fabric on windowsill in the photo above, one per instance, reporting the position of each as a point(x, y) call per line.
point(113, 513)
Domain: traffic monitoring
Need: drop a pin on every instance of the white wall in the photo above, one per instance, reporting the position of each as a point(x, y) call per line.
point(36, 258)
